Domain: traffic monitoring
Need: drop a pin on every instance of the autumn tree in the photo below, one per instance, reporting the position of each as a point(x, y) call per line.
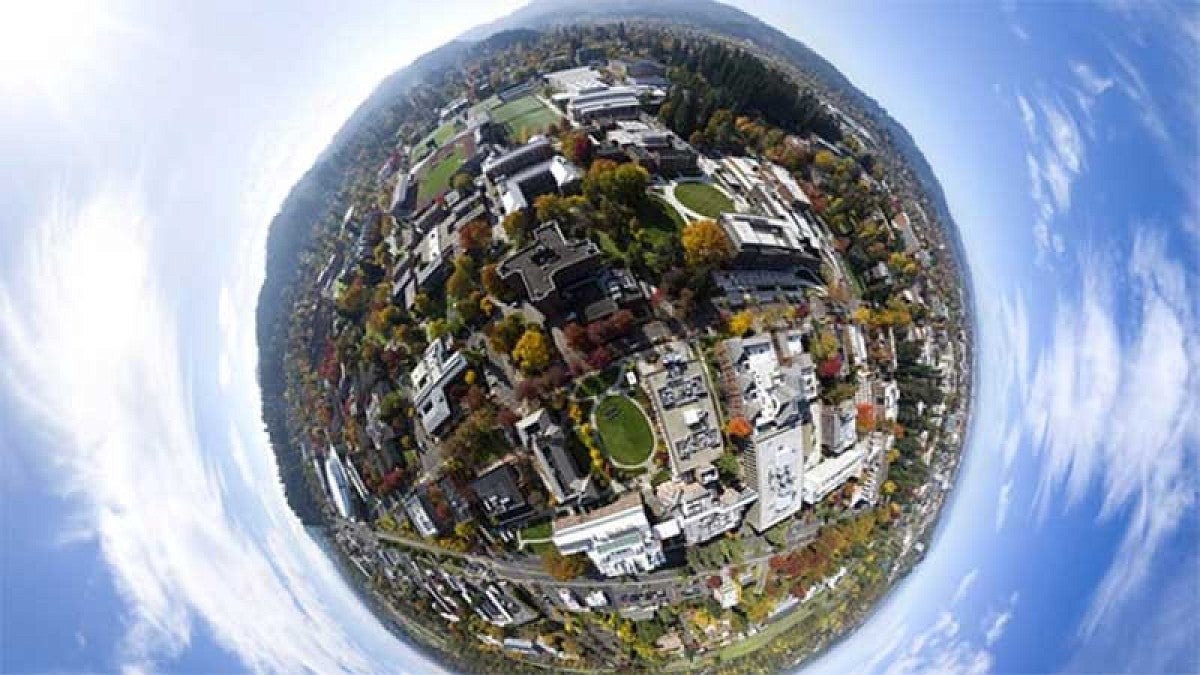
point(475, 236)
point(516, 226)
point(705, 244)
point(462, 181)
point(532, 351)
point(741, 322)
point(577, 336)
point(462, 281)
point(563, 567)
point(739, 427)
point(503, 335)
point(824, 345)
point(866, 417)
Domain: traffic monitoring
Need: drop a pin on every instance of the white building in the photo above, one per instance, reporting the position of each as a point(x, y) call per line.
point(729, 594)
point(771, 397)
point(618, 537)
point(437, 368)
point(838, 430)
point(338, 484)
point(700, 512)
point(604, 103)
point(832, 472)
point(887, 397)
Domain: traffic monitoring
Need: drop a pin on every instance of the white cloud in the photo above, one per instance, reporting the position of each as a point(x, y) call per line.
point(964, 585)
point(995, 630)
point(1054, 159)
point(1028, 118)
point(91, 345)
point(1111, 405)
point(1093, 83)
point(1003, 501)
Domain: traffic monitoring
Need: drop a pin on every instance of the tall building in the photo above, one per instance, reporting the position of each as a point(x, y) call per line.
point(617, 538)
point(770, 396)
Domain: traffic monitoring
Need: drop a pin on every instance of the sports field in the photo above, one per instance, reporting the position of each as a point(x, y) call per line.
point(526, 115)
point(437, 176)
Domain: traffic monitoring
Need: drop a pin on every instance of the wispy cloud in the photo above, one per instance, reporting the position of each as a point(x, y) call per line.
point(91, 345)
point(1110, 404)
point(964, 585)
point(1003, 501)
point(999, 622)
point(1055, 157)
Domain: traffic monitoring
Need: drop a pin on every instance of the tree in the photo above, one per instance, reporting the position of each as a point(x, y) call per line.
point(532, 351)
point(563, 567)
point(727, 466)
point(599, 358)
point(825, 160)
point(741, 322)
point(739, 427)
point(577, 336)
point(462, 281)
point(705, 244)
point(503, 335)
point(516, 226)
point(475, 236)
point(824, 345)
point(866, 417)
point(830, 367)
point(577, 147)
point(462, 181)
point(492, 283)
point(549, 207)
point(352, 299)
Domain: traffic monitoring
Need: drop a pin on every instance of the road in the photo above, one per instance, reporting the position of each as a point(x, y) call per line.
point(532, 572)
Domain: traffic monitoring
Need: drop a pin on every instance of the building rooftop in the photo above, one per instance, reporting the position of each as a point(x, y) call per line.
point(436, 369)
point(555, 465)
point(538, 264)
point(680, 392)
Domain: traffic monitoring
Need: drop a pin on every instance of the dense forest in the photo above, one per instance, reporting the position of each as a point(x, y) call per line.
point(713, 77)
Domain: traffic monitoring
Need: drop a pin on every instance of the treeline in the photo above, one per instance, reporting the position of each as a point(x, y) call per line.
point(709, 76)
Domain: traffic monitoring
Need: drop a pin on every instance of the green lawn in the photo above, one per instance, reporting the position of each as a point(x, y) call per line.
point(624, 430)
point(439, 136)
point(540, 530)
point(437, 177)
point(703, 199)
point(661, 220)
point(524, 115)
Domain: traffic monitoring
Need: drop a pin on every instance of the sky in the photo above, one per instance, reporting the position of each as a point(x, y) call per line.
point(147, 146)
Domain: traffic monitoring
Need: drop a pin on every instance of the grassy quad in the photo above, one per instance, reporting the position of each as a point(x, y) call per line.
point(437, 177)
point(624, 431)
point(703, 199)
point(524, 115)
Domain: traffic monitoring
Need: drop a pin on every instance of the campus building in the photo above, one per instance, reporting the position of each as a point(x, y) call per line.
point(563, 476)
point(617, 538)
point(438, 368)
point(542, 270)
point(683, 404)
point(770, 396)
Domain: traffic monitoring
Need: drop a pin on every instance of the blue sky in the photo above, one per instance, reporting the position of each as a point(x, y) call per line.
point(148, 146)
